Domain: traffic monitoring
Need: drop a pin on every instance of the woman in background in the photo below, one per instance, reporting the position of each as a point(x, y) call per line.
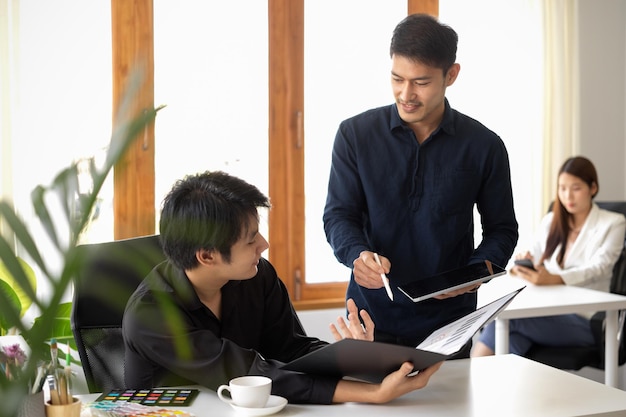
point(578, 244)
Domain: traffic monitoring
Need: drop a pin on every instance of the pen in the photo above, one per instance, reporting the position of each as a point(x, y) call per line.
point(384, 278)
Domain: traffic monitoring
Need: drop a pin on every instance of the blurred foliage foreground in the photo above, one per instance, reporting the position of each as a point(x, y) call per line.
point(17, 279)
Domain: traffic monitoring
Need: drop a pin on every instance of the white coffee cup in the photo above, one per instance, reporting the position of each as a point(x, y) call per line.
point(247, 391)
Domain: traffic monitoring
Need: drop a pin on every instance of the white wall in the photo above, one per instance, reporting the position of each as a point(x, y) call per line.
point(603, 92)
point(316, 322)
point(602, 56)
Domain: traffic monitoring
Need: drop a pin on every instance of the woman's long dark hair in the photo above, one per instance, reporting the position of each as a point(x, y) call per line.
point(584, 169)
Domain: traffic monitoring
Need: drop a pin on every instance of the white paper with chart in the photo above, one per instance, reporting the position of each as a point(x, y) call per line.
point(451, 338)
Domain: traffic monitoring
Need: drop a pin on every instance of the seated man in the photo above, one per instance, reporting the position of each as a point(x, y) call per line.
point(216, 309)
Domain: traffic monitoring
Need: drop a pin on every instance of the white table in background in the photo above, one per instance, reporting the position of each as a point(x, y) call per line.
point(502, 385)
point(536, 301)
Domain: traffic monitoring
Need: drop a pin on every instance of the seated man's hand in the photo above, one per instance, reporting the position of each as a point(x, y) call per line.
point(354, 329)
point(399, 383)
point(393, 386)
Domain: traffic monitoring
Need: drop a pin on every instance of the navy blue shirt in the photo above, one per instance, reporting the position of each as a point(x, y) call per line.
point(414, 204)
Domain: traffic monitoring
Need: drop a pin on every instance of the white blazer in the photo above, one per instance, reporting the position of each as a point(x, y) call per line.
point(590, 261)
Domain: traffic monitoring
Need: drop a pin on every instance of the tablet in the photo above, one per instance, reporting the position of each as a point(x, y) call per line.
point(451, 280)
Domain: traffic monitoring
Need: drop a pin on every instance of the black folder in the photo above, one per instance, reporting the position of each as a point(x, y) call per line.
point(372, 361)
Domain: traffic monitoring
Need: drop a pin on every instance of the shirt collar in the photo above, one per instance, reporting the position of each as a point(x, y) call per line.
point(447, 123)
point(183, 289)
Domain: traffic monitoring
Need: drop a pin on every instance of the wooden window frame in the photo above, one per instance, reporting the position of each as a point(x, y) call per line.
point(134, 194)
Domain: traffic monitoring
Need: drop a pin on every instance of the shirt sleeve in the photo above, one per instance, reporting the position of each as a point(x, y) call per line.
point(343, 212)
point(495, 205)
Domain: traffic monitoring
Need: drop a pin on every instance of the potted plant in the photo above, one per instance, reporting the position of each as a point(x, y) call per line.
point(17, 288)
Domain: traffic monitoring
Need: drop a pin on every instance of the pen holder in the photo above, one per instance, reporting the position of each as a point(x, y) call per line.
point(64, 410)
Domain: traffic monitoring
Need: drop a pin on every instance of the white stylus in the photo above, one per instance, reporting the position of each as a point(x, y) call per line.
point(384, 277)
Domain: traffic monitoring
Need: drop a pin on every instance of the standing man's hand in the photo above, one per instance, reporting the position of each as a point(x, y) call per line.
point(367, 272)
point(457, 292)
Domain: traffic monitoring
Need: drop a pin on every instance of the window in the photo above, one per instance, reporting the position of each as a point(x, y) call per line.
point(346, 72)
point(237, 98)
point(214, 89)
point(57, 70)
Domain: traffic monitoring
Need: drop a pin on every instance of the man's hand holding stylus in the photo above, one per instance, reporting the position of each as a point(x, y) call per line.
point(367, 271)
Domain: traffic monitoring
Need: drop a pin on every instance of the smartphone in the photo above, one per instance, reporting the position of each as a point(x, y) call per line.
point(528, 263)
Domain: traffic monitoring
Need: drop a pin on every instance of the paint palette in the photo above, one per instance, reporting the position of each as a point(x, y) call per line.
point(168, 397)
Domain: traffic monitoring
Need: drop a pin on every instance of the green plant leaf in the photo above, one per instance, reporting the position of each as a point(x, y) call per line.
point(15, 272)
point(54, 321)
point(61, 328)
point(41, 209)
point(9, 306)
point(23, 295)
point(22, 235)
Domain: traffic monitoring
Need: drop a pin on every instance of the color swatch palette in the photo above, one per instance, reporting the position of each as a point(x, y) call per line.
point(126, 409)
point(161, 397)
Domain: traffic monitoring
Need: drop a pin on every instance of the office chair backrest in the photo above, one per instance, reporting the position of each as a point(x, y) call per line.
point(108, 274)
point(618, 282)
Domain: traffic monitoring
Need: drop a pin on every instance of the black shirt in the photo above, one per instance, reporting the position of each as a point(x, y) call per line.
point(171, 338)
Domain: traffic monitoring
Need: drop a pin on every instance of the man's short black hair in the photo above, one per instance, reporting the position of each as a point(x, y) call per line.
point(421, 38)
point(208, 211)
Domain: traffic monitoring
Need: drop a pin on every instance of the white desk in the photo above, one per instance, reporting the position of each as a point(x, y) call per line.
point(536, 301)
point(503, 385)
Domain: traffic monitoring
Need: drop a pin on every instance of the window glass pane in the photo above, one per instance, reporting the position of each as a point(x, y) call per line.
point(501, 85)
point(211, 73)
point(347, 71)
point(64, 89)
point(62, 80)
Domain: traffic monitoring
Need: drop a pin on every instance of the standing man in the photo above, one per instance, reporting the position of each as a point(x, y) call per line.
point(403, 184)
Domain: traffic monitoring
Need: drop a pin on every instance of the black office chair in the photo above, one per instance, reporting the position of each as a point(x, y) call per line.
point(108, 273)
point(575, 358)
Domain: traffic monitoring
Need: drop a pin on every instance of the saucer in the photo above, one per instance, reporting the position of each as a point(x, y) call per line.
point(274, 405)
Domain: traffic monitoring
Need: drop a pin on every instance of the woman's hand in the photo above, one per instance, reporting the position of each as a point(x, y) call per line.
point(540, 276)
point(354, 329)
point(515, 270)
